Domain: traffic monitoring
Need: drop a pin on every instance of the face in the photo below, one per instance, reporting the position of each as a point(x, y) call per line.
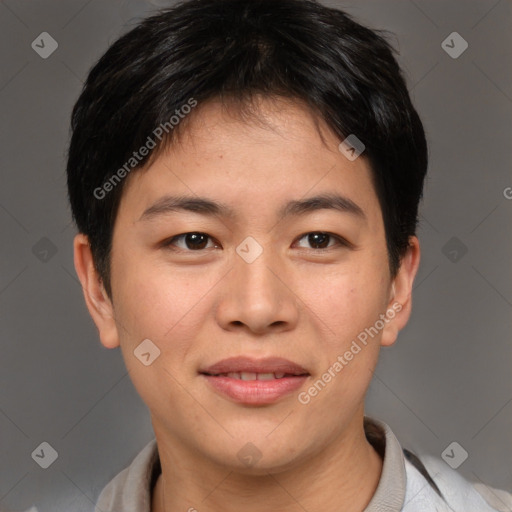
point(255, 284)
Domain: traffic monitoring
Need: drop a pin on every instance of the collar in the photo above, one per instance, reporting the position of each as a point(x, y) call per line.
point(131, 489)
point(390, 493)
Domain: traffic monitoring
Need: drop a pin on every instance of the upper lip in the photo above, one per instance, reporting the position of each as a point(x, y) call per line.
point(247, 364)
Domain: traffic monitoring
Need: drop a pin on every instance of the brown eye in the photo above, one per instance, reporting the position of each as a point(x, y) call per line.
point(320, 239)
point(194, 241)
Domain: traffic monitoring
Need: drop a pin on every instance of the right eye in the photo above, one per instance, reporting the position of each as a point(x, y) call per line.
point(193, 241)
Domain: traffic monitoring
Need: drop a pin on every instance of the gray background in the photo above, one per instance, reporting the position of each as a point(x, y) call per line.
point(447, 379)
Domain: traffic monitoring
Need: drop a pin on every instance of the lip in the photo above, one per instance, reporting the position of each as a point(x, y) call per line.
point(255, 392)
point(248, 364)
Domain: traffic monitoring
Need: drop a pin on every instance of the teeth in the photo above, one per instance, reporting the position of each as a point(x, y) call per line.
point(252, 376)
point(266, 376)
point(247, 376)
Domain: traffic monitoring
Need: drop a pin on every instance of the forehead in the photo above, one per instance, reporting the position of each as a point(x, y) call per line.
point(278, 150)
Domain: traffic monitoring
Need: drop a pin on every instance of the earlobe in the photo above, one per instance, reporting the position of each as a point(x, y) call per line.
point(400, 301)
point(96, 299)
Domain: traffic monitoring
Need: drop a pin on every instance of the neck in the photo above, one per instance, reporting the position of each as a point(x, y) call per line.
point(346, 472)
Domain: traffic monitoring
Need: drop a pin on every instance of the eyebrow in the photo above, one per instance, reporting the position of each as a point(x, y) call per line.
point(168, 204)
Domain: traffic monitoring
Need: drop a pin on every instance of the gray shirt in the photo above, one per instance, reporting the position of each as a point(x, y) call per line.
point(407, 483)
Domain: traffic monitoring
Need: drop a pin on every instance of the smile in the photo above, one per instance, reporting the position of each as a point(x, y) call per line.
point(254, 382)
point(252, 376)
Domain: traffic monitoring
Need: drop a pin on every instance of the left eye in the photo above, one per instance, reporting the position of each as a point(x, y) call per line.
point(320, 239)
point(196, 241)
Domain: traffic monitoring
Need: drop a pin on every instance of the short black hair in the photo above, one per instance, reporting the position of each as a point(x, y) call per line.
point(235, 50)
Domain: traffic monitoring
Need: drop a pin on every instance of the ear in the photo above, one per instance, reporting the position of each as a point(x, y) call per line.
point(400, 300)
point(98, 303)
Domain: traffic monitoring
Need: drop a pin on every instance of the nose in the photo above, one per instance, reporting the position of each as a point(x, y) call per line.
point(257, 296)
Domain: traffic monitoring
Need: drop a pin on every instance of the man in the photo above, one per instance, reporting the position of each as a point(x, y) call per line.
point(245, 178)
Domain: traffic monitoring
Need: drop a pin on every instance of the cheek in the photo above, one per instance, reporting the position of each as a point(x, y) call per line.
point(347, 303)
point(348, 351)
point(161, 304)
point(167, 309)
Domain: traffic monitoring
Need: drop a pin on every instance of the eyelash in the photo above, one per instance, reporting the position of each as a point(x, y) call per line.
point(340, 241)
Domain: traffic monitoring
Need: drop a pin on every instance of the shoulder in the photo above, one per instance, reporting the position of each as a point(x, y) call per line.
point(431, 482)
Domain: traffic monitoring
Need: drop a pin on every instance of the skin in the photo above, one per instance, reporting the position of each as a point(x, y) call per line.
point(295, 300)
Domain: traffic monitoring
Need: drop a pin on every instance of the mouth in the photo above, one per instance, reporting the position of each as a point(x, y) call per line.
point(248, 376)
point(255, 382)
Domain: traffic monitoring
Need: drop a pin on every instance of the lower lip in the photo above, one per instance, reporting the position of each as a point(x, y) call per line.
point(255, 392)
